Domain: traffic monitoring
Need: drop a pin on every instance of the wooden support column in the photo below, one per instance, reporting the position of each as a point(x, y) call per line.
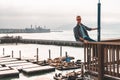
point(12, 53)
point(100, 62)
point(20, 55)
point(49, 54)
point(37, 56)
point(60, 51)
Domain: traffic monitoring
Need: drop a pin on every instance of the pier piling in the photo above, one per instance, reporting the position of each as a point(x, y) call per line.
point(20, 54)
point(12, 53)
point(60, 51)
point(49, 54)
point(3, 51)
point(37, 56)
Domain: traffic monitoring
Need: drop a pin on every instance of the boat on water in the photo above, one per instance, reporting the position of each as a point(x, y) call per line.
point(26, 30)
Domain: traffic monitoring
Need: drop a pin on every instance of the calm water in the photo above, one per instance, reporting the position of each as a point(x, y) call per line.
point(29, 50)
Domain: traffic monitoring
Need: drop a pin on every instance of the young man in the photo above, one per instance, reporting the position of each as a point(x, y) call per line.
point(80, 31)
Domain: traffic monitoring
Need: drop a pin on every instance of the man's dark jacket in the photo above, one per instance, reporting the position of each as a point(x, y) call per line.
point(78, 33)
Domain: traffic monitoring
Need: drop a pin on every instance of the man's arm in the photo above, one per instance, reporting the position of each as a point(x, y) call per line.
point(94, 28)
point(89, 29)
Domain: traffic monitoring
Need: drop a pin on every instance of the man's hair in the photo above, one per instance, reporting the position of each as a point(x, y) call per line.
point(78, 16)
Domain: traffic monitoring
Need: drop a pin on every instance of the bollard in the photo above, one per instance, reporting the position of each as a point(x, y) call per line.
point(37, 56)
point(12, 53)
point(82, 70)
point(66, 54)
point(49, 54)
point(3, 51)
point(60, 51)
point(20, 55)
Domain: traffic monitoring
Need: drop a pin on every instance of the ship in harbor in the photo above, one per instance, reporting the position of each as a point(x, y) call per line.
point(26, 30)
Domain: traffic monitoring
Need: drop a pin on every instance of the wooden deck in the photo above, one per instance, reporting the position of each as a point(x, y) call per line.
point(99, 57)
point(45, 42)
point(10, 67)
point(36, 70)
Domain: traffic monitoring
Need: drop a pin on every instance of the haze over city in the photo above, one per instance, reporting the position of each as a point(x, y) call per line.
point(56, 14)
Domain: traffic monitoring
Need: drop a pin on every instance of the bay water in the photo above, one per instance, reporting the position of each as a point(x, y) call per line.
point(29, 50)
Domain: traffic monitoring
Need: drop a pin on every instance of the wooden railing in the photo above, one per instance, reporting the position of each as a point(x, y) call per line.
point(103, 58)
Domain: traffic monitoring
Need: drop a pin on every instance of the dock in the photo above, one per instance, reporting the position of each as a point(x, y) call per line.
point(8, 72)
point(41, 41)
point(38, 70)
point(101, 59)
point(11, 67)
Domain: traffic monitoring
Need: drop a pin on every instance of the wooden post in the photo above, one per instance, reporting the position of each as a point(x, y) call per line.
point(49, 54)
point(37, 56)
point(16, 40)
point(82, 70)
point(12, 53)
point(20, 55)
point(3, 51)
point(100, 62)
point(66, 54)
point(60, 51)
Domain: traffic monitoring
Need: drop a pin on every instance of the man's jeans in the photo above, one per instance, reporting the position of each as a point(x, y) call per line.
point(89, 39)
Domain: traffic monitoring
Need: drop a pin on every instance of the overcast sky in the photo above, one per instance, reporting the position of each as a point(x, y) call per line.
point(55, 13)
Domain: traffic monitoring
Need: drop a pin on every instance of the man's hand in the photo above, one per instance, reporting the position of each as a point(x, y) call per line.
point(85, 41)
point(94, 28)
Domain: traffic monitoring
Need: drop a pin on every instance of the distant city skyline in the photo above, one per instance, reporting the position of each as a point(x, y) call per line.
point(56, 13)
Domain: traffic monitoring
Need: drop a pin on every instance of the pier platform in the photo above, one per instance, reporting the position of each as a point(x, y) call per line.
point(8, 72)
point(11, 67)
point(38, 70)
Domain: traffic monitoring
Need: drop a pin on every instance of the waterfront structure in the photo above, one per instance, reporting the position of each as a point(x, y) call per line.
point(26, 30)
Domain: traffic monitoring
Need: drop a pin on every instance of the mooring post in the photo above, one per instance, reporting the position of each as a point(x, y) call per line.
point(12, 53)
point(3, 51)
point(49, 54)
point(37, 56)
point(66, 54)
point(60, 51)
point(82, 70)
point(20, 54)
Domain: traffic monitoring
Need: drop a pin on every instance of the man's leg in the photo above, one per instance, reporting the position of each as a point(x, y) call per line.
point(89, 39)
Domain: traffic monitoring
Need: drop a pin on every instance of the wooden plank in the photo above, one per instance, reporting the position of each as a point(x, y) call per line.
point(18, 64)
point(4, 68)
point(110, 53)
point(41, 69)
point(100, 62)
point(25, 66)
point(118, 53)
point(113, 59)
point(13, 62)
point(7, 60)
point(9, 73)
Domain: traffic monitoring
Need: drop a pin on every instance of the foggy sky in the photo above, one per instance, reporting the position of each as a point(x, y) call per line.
point(55, 13)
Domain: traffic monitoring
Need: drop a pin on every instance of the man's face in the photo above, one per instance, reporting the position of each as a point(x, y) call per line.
point(78, 19)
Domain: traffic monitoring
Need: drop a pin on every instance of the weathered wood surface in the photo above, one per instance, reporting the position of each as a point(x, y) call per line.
point(41, 69)
point(104, 58)
point(8, 72)
point(46, 42)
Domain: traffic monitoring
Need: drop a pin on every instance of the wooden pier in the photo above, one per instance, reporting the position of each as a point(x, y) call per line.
point(101, 59)
point(41, 41)
point(11, 67)
point(38, 70)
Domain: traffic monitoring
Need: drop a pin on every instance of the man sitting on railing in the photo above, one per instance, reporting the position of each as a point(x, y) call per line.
point(80, 31)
